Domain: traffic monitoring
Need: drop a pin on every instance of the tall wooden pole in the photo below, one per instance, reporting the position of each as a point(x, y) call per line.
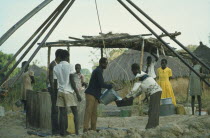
point(141, 67)
point(166, 33)
point(142, 56)
point(29, 40)
point(48, 22)
point(162, 41)
point(68, 48)
point(48, 61)
point(102, 52)
point(23, 20)
point(66, 2)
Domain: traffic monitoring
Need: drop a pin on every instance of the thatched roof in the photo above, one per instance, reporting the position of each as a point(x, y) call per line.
point(118, 40)
point(203, 52)
point(120, 68)
point(38, 72)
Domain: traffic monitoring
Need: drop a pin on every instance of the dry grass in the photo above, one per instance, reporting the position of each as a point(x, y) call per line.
point(180, 87)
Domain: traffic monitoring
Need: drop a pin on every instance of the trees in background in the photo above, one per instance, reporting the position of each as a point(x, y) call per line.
point(4, 58)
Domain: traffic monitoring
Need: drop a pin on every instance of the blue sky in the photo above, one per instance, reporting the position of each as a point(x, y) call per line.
point(191, 17)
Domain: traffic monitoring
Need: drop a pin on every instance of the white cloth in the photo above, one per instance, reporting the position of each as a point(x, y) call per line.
point(151, 69)
point(62, 72)
point(140, 74)
point(149, 86)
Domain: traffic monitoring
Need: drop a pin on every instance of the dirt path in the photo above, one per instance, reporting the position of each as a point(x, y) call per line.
point(13, 126)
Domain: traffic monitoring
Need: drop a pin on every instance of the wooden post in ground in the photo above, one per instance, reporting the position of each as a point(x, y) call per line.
point(142, 56)
point(48, 56)
point(48, 62)
point(102, 52)
point(68, 48)
point(141, 65)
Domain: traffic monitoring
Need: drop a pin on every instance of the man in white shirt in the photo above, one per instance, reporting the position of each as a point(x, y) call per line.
point(67, 92)
point(53, 93)
point(145, 83)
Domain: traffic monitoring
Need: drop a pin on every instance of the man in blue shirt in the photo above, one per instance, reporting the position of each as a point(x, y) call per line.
point(93, 93)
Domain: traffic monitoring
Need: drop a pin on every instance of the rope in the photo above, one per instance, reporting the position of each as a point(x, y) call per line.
point(98, 16)
point(99, 22)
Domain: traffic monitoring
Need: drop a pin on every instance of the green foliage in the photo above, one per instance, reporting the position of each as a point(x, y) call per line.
point(87, 74)
point(13, 96)
point(4, 58)
point(40, 82)
point(85, 71)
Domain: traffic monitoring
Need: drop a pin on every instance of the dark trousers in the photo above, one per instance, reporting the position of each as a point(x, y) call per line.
point(154, 110)
point(199, 103)
point(54, 112)
point(63, 121)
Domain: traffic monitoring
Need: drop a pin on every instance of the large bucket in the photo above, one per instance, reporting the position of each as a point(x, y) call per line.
point(109, 96)
point(167, 109)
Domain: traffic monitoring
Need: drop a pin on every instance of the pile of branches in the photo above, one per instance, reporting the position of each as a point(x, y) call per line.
point(117, 40)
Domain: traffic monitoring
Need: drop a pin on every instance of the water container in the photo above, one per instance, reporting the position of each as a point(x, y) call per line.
point(166, 101)
point(109, 96)
point(167, 109)
point(203, 112)
point(71, 127)
point(125, 113)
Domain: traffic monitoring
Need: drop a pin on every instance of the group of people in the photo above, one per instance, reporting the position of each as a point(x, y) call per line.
point(68, 88)
point(164, 75)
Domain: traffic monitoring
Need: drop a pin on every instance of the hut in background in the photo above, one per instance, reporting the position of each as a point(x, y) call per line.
point(203, 52)
point(119, 69)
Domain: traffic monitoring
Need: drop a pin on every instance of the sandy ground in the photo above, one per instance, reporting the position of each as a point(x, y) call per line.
point(13, 126)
